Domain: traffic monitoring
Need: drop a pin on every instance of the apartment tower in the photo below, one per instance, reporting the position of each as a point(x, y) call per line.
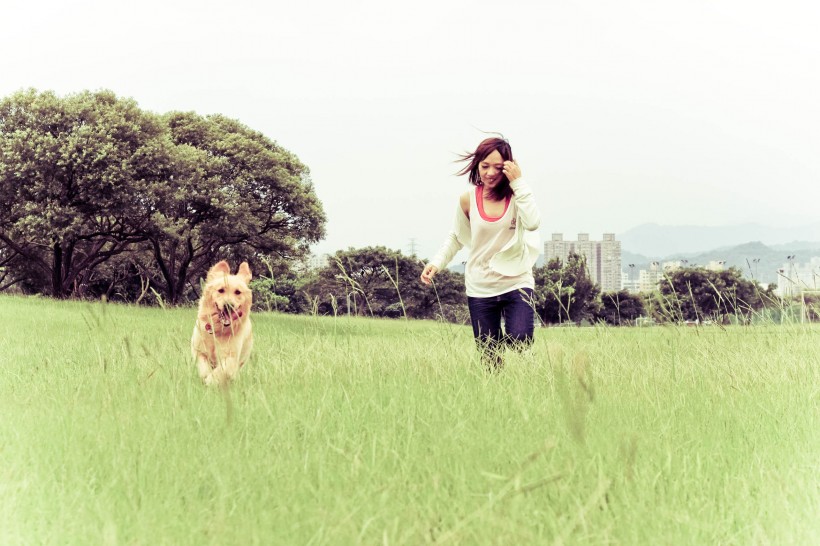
point(603, 258)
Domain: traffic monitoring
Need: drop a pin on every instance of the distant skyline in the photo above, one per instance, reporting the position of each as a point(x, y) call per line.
point(620, 113)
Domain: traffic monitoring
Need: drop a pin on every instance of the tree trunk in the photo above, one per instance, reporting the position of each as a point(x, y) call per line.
point(57, 273)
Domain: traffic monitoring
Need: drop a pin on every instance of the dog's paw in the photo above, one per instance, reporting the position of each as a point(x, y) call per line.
point(212, 379)
point(219, 377)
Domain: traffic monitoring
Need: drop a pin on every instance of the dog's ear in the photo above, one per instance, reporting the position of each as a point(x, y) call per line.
point(244, 272)
point(217, 271)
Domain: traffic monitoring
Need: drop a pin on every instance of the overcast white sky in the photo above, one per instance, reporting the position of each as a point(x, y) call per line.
point(620, 113)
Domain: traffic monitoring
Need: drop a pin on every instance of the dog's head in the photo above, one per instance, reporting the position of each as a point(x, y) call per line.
point(226, 299)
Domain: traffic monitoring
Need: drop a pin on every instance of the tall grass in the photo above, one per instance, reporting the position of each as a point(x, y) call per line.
point(346, 430)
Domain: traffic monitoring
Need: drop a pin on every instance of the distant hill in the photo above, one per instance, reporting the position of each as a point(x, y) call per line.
point(754, 259)
point(657, 240)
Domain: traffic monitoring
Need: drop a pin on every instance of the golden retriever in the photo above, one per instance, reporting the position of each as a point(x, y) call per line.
point(223, 336)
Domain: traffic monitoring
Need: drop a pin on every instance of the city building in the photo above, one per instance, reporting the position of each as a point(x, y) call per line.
point(609, 263)
point(628, 280)
point(794, 279)
point(603, 257)
point(645, 280)
point(318, 261)
point(557, 247)
point(649, 278)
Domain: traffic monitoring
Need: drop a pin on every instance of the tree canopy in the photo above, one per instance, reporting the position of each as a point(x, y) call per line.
point(696, 294)
point(90, 178)
point(68, 167)
point(377, 281)
point(564, 292)
point(232, 188)
point(620, 308)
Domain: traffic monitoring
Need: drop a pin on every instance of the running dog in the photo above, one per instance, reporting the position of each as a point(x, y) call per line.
point(223, 336)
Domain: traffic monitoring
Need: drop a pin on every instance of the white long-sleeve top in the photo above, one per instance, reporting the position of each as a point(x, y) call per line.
point(489, 271)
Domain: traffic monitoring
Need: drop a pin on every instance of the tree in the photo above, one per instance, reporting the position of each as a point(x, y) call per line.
point(231, 189)
point(620, 308)
point(811, 306)
point(549, 293)
point(565, 292)
point(11, 266)
point(279, 285)
point(90, 177)
point(695, 293)
point(67, 168)
point(445, 299)
point(380, 282)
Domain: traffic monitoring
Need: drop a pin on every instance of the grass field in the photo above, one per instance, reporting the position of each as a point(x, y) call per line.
point(356, 431)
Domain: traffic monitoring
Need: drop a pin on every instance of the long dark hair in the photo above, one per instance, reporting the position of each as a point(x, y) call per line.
point(485, 148)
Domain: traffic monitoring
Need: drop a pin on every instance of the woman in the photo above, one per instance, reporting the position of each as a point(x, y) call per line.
point(498, 221)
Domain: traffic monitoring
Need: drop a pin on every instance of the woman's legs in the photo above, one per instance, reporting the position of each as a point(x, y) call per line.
point(485, 316)
point(519, 319)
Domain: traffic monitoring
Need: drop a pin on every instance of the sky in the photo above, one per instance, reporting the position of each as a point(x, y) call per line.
point(619, 113)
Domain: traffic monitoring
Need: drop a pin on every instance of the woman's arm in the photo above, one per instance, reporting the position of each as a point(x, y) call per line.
point(452, 244)
point(525, 201)
point(524, 198)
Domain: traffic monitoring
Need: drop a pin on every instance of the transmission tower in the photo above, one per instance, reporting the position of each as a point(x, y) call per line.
point(412, 247)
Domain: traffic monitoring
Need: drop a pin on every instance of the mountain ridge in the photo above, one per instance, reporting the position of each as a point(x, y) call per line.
point(656, 240)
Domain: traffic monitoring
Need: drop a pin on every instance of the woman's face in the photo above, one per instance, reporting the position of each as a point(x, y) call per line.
point(490, 170)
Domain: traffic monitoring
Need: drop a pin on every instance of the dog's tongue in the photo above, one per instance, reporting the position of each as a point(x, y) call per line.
point(234, 315)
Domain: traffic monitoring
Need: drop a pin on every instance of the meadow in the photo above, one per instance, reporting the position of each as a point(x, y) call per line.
point(348, 430)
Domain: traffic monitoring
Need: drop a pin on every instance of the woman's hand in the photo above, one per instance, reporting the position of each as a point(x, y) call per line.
point(511, 170)
point(429, 272)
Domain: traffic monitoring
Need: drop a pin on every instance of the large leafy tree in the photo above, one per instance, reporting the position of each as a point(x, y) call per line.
point(283, 289)
point(90, 177)
point(695, 293)
point(377, 281)
point(620, 308)
point(232, 191)
point(564, 292)
point(68, 169)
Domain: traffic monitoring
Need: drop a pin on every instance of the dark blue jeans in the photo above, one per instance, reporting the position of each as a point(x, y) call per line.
point(519, 322)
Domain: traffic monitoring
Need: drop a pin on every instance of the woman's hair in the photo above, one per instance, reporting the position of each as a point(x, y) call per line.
point(485, 148)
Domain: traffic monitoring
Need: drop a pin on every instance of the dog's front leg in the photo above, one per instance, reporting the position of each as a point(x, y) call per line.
point(205, 369)
point(225, 371)
point(230, 367)
point(216, 377)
